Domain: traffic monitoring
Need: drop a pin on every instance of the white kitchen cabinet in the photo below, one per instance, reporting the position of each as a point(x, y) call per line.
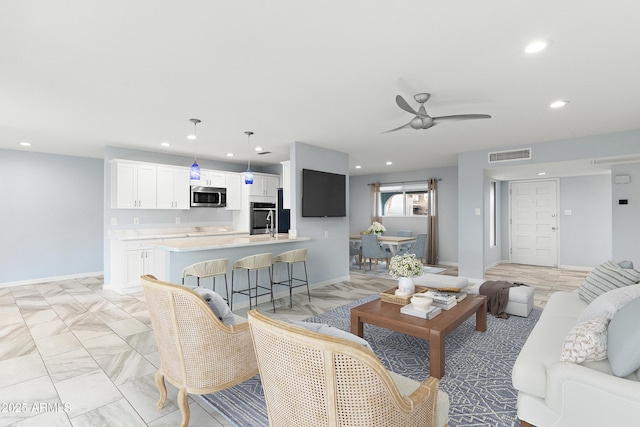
point(173, 188)
point(133, 185)
point(210, 178)
point(286, 184)
point(264, 185)
point(233, 182)
point(129, 261)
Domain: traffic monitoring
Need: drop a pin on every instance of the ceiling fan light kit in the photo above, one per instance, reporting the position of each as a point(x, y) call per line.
point(422, 120)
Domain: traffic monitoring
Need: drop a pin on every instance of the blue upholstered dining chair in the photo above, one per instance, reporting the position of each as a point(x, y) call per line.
point(404, 233)
point(419, 248)
point(371, 250)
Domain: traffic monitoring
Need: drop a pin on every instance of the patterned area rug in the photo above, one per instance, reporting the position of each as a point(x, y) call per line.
point(477, 369)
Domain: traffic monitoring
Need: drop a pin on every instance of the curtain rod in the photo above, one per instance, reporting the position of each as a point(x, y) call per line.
point(405, 182)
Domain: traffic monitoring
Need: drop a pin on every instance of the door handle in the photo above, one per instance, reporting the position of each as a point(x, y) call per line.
point(553, 228)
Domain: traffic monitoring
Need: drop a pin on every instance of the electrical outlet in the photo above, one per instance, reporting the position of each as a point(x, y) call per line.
point(177, 220)
point(136, 220)
point(114, 221)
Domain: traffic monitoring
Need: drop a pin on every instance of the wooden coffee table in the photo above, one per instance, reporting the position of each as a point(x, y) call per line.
point(388, 316)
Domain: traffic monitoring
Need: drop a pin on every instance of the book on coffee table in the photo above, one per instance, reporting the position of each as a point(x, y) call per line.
point(425, 314)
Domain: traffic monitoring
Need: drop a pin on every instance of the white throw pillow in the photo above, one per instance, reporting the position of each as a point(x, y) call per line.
point(608, 304)
point(586, 341)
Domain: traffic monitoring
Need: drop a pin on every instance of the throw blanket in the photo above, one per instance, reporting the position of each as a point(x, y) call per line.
point(497, 293)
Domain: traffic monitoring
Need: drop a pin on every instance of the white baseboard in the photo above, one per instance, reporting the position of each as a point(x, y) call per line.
point(452, 264)
point(575, 267)
point(49, 279)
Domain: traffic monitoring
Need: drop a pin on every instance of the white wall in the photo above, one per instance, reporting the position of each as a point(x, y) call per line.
point(51, 216)
point(360, 207)
point(626, 218)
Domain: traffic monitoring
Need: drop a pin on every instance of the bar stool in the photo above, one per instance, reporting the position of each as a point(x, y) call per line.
point(291, 258)
point(210, 268)
point(253, 263)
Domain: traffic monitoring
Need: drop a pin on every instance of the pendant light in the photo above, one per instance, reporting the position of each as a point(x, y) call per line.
point(248, 175)
point(195, 169)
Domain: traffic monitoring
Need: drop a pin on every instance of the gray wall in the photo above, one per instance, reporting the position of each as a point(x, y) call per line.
point(328, 255)
point(585, 235)
point(626, 218)
point(472, 193)
point(51, 216)
point(360, 207)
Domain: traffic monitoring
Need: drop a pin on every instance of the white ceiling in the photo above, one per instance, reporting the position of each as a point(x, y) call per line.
point(76, 76)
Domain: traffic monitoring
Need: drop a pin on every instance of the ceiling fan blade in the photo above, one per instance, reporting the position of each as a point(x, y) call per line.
point(408, 125)
point(405, 105)
point(462, 117)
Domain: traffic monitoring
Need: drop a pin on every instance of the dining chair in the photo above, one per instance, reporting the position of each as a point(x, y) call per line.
point(371, 250)
point(198, 353)
point(419, 248)
point(404, 233)
point(314, 379)
point(355, 252)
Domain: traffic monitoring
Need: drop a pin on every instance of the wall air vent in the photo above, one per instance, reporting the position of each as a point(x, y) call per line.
point(510, 156)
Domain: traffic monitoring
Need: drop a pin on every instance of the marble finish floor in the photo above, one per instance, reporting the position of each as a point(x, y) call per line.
point(73, 354)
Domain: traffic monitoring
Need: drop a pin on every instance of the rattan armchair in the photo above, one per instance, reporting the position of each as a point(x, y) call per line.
point(198, 353)
point(311, 379)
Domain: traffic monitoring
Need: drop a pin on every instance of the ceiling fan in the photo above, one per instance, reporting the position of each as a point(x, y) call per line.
point(424, 121)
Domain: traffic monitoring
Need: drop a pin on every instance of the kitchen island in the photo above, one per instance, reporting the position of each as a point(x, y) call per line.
point(179, 253)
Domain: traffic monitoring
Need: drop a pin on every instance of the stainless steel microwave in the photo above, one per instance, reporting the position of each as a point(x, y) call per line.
point(208, 197)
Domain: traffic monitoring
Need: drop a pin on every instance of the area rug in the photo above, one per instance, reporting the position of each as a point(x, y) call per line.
point(477, 369)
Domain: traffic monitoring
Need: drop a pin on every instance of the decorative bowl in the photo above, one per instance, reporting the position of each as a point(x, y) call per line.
point(421, 302)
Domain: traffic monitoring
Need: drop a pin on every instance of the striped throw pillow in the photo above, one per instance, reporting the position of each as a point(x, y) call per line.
point(606, 277)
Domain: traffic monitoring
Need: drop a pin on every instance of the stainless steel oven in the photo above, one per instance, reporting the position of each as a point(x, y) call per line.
point(262, 218)
point(209, 197)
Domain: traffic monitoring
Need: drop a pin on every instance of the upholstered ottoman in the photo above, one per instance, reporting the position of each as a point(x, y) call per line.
point(520, 299)
point(441, 281)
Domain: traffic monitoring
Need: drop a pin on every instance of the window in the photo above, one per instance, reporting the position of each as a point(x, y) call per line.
point(493, 234)
point(404, 200)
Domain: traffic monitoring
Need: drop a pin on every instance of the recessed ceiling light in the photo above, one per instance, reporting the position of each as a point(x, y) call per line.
point(165, 144)
point(358, 167)
point(389, 163)
point(536, 46)
point(25, 144)
point(230, 154)
point(191, 137)
point(541, 173)
point(258, 148)
point(558, 104)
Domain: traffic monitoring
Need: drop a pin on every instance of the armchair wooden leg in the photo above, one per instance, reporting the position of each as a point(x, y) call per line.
point(523, 423)
point(162, 388)
point(183, 404)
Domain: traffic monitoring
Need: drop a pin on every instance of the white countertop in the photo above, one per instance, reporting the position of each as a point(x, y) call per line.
point(174, 233)
point(190, 244)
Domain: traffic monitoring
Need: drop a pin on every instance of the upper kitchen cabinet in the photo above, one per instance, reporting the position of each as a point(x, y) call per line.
point(173, 188)
point(211, 178)
point(133, 185)
point(233, 183)
point(264, 185)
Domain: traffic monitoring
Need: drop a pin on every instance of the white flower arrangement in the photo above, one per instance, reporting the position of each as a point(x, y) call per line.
point(376, 227)
point(406, 265)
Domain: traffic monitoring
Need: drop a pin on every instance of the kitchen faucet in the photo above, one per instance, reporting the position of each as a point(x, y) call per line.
point(270, 221)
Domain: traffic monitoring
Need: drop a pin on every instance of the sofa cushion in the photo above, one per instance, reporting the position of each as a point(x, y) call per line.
point(606, 277)
point(624, 340)
point(586, 341)
point(608, 304)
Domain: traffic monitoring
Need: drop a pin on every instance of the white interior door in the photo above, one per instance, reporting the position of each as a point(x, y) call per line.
point(534, 222)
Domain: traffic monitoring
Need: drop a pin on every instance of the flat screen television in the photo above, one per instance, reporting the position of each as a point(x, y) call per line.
point(323, 194)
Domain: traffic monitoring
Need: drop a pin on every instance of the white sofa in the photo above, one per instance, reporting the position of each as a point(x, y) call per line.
point(555, 393)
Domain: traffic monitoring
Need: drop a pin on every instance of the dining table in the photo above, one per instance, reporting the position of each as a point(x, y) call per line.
point(392, 242)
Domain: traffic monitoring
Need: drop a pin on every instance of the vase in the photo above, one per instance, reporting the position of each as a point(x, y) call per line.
point(407, 283)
